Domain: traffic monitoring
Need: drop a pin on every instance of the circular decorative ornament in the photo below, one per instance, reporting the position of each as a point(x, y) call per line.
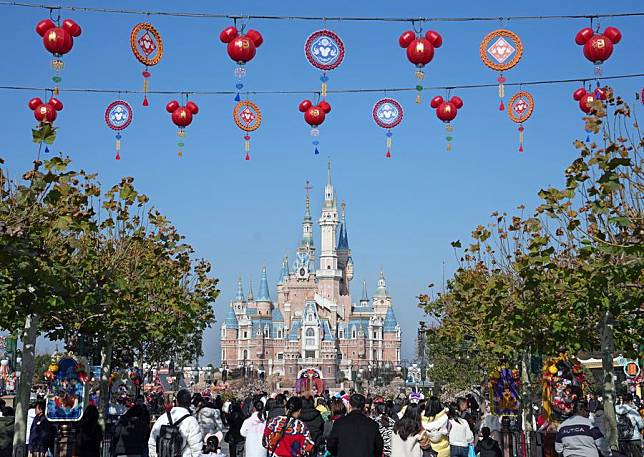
point(146, 44)
point(387, 113)
point(247, 116)
point(118, 115)
point(501, 50)
point(324, 50)
point(520, 107)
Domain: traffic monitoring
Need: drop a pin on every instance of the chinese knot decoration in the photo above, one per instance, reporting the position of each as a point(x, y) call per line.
point(325, 51)
point(598, 47)
point(147, 47)
point(58, 40)
point(118, 116)
point(520, 109)
point(446, 111)
point(182, 117)
point(241, 48)
point(45, 114)
point(420, 51)
point(387, 114)
point(314, 115)
point(248, 117)
point(501, 50)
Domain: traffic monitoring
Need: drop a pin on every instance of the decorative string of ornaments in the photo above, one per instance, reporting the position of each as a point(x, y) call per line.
point(387, 113)
point(446, 111)
point(248, 117)
point(242, 49)
point(58, 40)
point(182, 118)
point(520, 108)
point(420, 51)
point(147, 47)
point(118, 116)
point(314, 115)
point(501, 50)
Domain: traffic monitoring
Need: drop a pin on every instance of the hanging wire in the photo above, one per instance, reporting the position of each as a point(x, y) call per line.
point(308, 92)
point(312, 18)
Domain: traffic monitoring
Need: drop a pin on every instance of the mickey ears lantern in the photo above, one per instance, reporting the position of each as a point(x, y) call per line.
point(586, 99)
point(314, 115)
point(446, 111)
point(598, 47)
point(147, 47)
point(45, 114)
point(387, 113)
point(182, 117)
point(420, 51)
point(501, 50)
point(58, 40)
point(241, 48)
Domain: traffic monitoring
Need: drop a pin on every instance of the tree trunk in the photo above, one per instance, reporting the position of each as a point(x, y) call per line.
point(106, 371)
point(609, 380)
point(26, 377)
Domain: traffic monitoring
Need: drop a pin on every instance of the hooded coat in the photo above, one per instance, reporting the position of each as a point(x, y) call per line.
point(488, 447)
point(313, 421)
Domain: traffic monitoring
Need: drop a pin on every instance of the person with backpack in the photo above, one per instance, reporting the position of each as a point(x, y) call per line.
point(176, 433)
point(287, 436)
point(130, 437)
point(629, 426)
point(578, 437)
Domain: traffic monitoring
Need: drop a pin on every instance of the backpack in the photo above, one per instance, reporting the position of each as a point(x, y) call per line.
point(170, 440)
point(625, 428)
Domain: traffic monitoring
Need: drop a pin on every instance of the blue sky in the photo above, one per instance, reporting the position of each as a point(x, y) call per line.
point(402, 213)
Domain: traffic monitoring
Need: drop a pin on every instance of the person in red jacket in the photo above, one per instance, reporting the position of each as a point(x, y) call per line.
point(287, 436)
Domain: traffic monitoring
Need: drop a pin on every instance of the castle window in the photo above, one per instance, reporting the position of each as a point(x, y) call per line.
point(353, 333)
point(280, 356)
point(341, 333)
point(310, 332)
point(279, 334)
point(245, 334)
point(245, 354)
point(375, 335)
point(266, 332)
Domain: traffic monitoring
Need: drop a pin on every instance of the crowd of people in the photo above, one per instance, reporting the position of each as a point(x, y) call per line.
point(306, 425)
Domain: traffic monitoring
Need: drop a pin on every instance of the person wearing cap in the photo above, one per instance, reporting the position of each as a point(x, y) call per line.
point(188, 426)
point(355, 435)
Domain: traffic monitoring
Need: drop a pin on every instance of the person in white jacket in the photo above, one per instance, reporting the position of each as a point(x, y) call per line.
point(253, 430)
point(460, 435)
point(189, 427)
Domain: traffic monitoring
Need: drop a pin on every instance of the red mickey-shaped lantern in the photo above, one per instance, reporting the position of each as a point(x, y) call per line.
point(446, 111)
point(58, 40)
point(586, 99)
point(314, 115)
point(182, 117)
point(45, 113)
point(598, 47)
point(241, 48)
point(420, 51)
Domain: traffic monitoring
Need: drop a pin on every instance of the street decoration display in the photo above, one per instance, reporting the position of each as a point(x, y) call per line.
point(446, 111)
point(147, 47)
point(118, 116)
point(248, 117)
point(420, 51)
point(598, 47)
point(309, 380)
point(387, 113)
point(563, 382)
point(520, 108)
point(182, 118)
point(45, 114)
point(241, 48)
point(66, 377)
point(324, 50)
point(505, 398)
point(501, 50)
point(314, 115)
point(586, 98)
point(59, 40)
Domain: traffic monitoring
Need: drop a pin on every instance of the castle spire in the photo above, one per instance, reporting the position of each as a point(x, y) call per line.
point(306, 245)
point(381, 290)
point(284, 272)
point(329, 193)
point(343, 239)
point(250, 290)
point(239, 296)
point(263, 288)
point(365, 297)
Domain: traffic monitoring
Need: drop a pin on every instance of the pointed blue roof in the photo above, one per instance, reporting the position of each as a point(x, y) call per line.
point(263, 288)
point(381, 290)
point(239, 296)
point(231, 319)
point(296, 324)
point(390, 321)
point(284, 272)
point(276, 315)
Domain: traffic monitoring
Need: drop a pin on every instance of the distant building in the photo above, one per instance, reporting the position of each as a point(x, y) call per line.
point(313, 325)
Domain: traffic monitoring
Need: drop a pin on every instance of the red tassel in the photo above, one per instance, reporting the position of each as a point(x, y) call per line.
point(501, 106)
point(388, 154)
point(145, 100)
point(118, 156)
point(521, 147)
point(247, 156)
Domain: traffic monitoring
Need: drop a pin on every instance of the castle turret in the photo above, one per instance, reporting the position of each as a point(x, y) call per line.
point(329, 275)
point(263, 299)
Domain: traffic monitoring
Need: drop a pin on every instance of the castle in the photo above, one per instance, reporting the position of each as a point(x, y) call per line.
point(313, 328)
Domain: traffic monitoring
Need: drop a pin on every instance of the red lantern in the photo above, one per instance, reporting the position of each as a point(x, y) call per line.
point(59, 41)
point(314, 115)
point(45, 113)
point(182, 117)
point(242, 49)
point(420, 51)
point(586, 99)
point(446, 111)
point(598, 47)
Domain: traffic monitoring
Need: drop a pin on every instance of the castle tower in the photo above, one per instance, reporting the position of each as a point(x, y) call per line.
point(238, 305)
point(306, 244)
point(381, 299)
point(263, 299)
point(328, 274)
point(345, 263)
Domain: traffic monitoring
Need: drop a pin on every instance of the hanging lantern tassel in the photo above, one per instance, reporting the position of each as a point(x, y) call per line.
point(247, 146)
point(118, 146)
point(240, 73)
point(420, 75)
point(388, 144)
point(315, 133)
point(501, 81)
point(448, 132)
point(57, 65)
point(146, 74)
point(324, 78)
point(181, 133)
point(521, 137)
